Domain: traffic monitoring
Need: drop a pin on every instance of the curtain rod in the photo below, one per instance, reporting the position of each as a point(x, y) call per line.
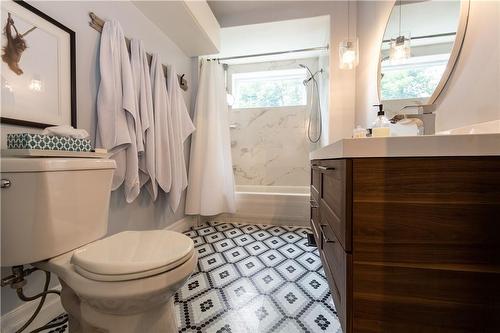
point(427, 36)
point(319, 48)
point(97, 23)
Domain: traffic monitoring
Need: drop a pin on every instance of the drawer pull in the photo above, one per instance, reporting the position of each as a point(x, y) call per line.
point(313, 203)
point(325, 239)
point(324, 168)
point(5, 183)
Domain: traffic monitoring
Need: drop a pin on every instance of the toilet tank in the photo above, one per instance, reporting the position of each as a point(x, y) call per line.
point(52, 205)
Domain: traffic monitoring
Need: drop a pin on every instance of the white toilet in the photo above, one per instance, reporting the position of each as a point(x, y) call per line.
point(54, 211)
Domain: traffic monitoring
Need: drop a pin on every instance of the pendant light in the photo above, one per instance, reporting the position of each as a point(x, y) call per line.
point(348, 49)
point(399, 47)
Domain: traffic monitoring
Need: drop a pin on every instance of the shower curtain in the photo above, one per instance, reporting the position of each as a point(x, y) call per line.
point(211, 180)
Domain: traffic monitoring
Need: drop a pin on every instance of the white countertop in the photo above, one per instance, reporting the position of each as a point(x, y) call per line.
point(412, 146)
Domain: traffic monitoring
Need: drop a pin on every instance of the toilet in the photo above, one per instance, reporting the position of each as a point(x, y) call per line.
point(54, 214)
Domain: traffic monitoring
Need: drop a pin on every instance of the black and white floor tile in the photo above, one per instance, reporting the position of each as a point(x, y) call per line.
point(255, 279)
point(252, 279)
point(58, 324)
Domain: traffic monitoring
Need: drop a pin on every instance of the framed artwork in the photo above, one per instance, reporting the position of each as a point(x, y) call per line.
point(38, 68)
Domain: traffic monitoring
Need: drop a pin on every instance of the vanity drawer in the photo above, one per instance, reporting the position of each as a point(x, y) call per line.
point(336, 198)
point(315, 181)
point(316, 232)
point(337, 265)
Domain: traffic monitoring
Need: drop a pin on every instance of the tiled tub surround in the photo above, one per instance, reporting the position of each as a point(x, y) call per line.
point(253, 279)
point(269, 145)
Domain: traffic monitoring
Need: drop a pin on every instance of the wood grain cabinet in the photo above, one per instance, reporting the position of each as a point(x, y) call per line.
point(410, 244)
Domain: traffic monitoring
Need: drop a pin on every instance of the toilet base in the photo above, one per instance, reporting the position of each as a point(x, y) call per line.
point(84, 318)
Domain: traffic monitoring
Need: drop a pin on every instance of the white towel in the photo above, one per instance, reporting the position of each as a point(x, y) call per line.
point(144, 104)
point(66, 130)
point(117, 119)
point(182, 127)
point(162, 124)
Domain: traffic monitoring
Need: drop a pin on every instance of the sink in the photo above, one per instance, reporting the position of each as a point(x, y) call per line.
point(488, 127)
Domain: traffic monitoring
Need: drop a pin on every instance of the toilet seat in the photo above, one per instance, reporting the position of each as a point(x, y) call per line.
point(132, 255)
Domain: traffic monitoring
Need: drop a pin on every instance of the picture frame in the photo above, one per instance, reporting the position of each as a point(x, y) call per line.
point(38, 68)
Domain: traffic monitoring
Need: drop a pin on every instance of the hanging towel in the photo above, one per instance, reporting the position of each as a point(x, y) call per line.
point(144, 105)
point(211, 181)
point(182, 127)
point(117, 119)
point(162, 124)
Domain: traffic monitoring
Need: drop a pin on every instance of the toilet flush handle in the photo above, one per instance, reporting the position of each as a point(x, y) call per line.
point(5, 183)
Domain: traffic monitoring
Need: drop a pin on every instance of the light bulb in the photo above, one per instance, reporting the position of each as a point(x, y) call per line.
point(348, 58)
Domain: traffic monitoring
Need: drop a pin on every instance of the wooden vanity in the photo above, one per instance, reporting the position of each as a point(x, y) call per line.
point(410, 244)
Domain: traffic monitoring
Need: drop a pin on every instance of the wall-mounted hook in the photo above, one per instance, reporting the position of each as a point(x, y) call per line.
point(182, 82)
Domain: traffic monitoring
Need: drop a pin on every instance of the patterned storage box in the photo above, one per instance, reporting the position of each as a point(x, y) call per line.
point(46, 142)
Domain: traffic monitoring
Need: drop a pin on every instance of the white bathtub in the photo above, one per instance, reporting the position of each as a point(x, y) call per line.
point(281, 205)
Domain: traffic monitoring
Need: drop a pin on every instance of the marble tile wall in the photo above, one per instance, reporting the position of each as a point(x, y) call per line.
point(269, 145)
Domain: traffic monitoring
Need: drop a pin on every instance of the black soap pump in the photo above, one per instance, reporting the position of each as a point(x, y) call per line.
point(381, 126)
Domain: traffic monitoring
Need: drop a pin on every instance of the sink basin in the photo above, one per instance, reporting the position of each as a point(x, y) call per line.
point(488, 127)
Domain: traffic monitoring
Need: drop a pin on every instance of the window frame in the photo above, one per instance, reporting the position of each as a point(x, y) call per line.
point(442, 59)
point(231, 86)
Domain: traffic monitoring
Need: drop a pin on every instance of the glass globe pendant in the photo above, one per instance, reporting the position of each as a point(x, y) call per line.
point(348, 49)
point(348, 54)
point(399, 47)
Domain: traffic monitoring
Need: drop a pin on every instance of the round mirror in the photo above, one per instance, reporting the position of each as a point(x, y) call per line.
point(421, 43)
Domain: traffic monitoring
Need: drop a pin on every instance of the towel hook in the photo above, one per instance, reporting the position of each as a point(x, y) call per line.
point(182, 82)
point(98, 23)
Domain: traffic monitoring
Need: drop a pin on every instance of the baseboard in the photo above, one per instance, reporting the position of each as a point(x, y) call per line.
point(261, 219)
point(14, 319)
point(183, 224)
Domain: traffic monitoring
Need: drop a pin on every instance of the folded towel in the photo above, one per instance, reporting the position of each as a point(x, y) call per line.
point(66, 130)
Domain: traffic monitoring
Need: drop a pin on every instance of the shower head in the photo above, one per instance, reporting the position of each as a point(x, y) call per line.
point(306, 81)
point(312, 76)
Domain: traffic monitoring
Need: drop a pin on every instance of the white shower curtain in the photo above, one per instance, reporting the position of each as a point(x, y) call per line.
point(211, 181)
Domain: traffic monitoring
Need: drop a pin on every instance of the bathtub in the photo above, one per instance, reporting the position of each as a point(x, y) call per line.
point(279, 205)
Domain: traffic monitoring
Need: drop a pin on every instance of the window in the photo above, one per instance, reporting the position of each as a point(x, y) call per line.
point(269, 89)
point(417, 77)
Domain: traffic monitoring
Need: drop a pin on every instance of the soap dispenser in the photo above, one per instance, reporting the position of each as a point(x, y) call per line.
point(380, 127)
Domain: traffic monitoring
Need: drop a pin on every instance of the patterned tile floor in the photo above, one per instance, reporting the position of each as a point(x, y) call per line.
point(254, 279)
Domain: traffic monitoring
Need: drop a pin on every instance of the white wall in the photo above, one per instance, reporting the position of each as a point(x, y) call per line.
point(141, 214)
point(472, 93)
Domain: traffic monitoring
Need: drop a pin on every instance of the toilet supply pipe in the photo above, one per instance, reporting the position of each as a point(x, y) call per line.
point(17, 281)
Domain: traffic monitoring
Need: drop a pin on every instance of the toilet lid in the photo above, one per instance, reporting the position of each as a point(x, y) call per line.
point(132, 254)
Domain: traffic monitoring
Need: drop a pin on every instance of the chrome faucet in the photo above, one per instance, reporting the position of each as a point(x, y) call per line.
point(424, 121)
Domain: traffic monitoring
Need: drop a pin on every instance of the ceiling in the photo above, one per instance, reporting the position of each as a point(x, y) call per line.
point(234, 13)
